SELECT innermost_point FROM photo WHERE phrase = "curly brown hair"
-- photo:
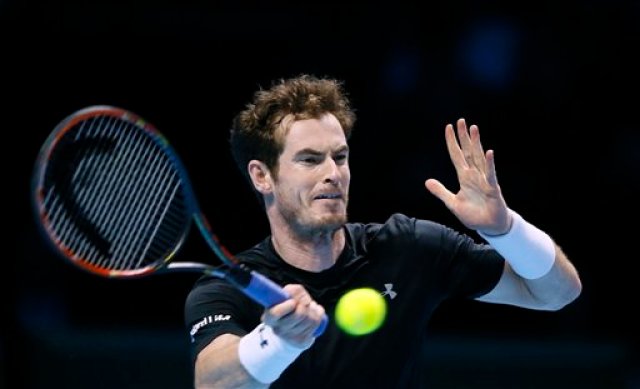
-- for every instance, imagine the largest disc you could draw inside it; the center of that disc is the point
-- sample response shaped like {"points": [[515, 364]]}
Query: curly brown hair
{"points": [[254, 132]]}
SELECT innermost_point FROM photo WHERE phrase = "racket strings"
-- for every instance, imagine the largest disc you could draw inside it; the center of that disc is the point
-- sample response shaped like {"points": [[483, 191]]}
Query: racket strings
{"points": [[126, 188], [147, 181], [91, 168], [72, 157], [88, 167], [145, 217]]}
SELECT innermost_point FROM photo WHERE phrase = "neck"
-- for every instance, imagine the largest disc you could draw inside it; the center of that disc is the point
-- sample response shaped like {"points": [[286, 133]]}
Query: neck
{"points": [[315, 252]]}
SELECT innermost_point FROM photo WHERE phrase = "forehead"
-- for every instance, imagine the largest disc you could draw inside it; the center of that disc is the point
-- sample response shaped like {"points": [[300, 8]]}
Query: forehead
{"points": [[322, 134]]}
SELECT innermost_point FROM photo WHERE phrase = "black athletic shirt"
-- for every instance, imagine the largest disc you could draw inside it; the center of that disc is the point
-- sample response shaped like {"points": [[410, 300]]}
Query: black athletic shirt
{"points": [[415, 264]]}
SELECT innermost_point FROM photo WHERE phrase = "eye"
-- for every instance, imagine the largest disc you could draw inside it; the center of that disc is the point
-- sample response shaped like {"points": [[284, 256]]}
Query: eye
{"points": [[310, 160], [341, 158]]}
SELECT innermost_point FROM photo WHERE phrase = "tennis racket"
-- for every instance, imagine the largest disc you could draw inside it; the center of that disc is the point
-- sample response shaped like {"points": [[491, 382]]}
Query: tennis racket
{"points": [[113, 197]]}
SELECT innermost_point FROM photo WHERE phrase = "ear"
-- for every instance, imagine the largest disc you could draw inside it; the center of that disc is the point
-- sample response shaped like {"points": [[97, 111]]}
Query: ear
{"points": [[260, 176]]}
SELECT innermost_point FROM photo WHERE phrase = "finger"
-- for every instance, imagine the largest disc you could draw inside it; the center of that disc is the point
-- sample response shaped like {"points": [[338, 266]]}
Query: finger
{"points": [[299, 300], [318, 312], [296, 291], [305, 320], [315, 315], [465, 141], [455, 153], [477, 154], [278, 311], [302, 322], [492, 177], [437, 189], [306, 316]]}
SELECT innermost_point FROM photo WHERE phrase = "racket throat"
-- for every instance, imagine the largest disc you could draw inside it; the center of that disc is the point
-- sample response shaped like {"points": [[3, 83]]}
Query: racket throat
{"points": [[239, 276], [256, 286]]}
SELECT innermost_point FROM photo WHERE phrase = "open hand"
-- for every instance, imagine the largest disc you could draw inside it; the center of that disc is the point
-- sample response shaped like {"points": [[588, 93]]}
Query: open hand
{"points": [[479, 203]]}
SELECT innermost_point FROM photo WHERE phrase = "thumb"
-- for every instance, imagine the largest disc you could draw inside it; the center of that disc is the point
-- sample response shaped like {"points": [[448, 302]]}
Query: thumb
{"points": [[437, 189]]}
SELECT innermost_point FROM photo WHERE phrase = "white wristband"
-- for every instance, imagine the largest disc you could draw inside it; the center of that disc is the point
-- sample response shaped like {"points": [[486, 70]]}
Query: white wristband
{"points": [[265, 355], [530, 251]]}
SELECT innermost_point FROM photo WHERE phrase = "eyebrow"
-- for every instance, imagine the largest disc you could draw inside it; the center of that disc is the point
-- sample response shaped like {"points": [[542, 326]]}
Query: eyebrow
{"points": [[310, 151]]}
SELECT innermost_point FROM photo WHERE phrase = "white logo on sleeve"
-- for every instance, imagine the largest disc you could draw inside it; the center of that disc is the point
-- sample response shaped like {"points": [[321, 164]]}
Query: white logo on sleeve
{"points": [[206, 320]]}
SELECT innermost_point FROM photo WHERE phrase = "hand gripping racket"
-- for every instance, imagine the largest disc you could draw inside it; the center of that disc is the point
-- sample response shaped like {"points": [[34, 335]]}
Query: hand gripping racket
{"points": [[113, 197]]}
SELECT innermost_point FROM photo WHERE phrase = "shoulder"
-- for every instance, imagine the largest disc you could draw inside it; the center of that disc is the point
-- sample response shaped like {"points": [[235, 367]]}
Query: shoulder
{"points": [[399, 224], [402, 231], [260, 254], [206, 287]]}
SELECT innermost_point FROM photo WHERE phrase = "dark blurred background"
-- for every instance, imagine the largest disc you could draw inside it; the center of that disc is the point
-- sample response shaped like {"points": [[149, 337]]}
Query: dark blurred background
{"points": [[553, 87]]}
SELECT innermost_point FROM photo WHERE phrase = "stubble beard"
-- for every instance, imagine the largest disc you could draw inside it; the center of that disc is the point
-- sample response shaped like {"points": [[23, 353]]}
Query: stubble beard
{"points": [[306, 226]]}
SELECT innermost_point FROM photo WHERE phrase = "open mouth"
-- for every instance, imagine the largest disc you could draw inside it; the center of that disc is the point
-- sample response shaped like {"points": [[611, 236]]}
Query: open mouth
{"points": [[328, 196]]}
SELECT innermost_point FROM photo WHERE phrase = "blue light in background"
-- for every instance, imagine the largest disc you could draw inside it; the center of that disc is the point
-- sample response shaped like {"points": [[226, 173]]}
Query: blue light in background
{"points": [[488, 54]]}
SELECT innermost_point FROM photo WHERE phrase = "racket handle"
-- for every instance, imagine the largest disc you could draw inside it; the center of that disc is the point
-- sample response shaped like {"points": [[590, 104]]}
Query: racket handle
{"points": [[262, 290]]}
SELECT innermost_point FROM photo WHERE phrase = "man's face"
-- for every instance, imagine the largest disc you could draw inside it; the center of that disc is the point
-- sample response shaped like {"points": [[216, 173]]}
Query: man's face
{"points": [[312, 188]]}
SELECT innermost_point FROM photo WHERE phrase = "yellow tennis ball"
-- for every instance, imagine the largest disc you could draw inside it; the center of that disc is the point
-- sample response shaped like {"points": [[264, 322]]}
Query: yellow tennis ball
{"points": [[360, 311]]}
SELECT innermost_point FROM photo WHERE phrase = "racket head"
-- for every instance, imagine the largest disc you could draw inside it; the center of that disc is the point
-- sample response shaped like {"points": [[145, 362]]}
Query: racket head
{"points": [[110, 194]]}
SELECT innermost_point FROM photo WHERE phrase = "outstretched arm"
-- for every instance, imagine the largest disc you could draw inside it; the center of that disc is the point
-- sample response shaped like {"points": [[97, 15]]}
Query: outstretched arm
{"points": [[537, 272]]}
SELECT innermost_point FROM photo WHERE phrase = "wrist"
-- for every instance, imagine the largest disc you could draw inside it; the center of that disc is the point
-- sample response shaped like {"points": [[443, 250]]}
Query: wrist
{"points": [[265, 355], [529, 250]]}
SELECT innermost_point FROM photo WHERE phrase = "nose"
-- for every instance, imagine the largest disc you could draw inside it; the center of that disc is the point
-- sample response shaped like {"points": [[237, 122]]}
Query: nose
{"points": [[331, 171]]}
